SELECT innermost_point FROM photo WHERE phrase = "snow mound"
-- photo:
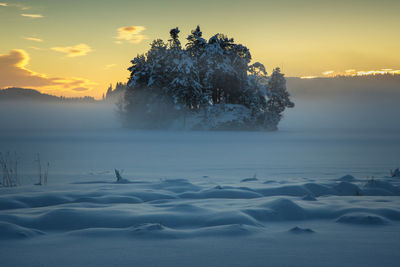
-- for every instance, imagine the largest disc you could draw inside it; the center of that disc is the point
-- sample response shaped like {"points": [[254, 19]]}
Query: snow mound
{"points": [[109, 199], [347, 178], [298, 230], [286, 209], [347, 189], [380, 188], [6, 203], [277, 210], [159, 231], [289, 190], [220, 192], [309, 197], [13, 231], [362, 219], [180, 208], [252, 179], [176, 185], [319, 189]]}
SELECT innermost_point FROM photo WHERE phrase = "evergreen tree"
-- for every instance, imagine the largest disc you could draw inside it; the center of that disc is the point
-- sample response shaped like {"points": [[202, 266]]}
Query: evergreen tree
{"points": [[174, 42], [196, 43], [278, 97], [109, 91], [169, 80]]}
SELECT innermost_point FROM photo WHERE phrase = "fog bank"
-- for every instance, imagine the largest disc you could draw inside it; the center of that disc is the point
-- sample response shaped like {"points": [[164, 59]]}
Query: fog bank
{"points": [[343, 103]]}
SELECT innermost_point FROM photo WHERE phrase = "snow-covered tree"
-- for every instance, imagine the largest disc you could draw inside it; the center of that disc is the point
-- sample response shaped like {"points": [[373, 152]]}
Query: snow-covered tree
{"points": [[196, 43], [278, 98], [174, 42], [169, 80]]}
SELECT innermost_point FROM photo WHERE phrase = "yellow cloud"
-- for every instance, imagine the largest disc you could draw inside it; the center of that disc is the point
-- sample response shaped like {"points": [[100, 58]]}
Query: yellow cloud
{"points": [[80, 89], [109, 66], [74, 51], [35, 48], [131, 34], [14, 73], [350, 70], [329, 72], [33, 16], [377, 72], [33, 39], [19, 6]]}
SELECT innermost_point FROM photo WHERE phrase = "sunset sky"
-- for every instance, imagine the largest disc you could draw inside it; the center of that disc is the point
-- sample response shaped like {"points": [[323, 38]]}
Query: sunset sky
{"points": [[77, 48]]}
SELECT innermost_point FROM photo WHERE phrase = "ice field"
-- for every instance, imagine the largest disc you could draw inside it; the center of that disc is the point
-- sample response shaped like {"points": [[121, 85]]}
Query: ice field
{"points": [[316, 193]]}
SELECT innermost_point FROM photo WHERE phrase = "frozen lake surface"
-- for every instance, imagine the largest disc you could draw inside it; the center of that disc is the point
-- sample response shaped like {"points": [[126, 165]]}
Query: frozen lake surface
{"points": [[231, 156], [202, 198]]}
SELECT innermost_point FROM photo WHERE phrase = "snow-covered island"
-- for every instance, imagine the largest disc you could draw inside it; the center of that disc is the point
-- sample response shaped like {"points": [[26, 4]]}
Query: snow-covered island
{"points": [[206, 85]]}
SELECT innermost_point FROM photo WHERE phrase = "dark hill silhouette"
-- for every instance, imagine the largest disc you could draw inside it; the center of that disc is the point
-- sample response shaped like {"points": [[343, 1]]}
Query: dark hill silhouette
{"points": [[373, 86], [24, 94]]}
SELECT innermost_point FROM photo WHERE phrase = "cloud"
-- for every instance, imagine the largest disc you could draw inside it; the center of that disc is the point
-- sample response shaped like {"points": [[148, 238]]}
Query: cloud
{"points": [[328, 72], [350, 71], [33, 39], [131, 34], [14, 73], [80, 89], [35, 48], [109, 66], [33, 16], [74, 51], [17, 5]]}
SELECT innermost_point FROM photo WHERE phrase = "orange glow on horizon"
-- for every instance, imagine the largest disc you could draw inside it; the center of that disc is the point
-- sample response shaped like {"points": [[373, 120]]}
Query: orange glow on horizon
{"points": [[353, 73]]}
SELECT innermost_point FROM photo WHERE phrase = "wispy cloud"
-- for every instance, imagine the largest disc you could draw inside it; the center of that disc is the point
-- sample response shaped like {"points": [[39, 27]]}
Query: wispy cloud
{"points": [[73, 51], [328, 72], [33, 16], [33, 39], [14, 72], [132, 34], [109, 66], [17, 5], [35, 48], [80, 89], [353, 72], [377, 72]]}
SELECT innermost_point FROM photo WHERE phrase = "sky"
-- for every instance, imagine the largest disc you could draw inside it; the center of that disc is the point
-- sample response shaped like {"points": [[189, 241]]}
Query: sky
{"points": [[77, 48]]}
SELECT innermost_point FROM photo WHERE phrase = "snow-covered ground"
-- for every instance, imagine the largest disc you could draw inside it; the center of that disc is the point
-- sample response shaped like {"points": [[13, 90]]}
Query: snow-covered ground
{"points": [[315, 193]]}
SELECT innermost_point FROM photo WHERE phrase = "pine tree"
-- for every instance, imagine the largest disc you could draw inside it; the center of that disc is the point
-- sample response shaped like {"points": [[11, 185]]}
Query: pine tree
{"points": [[278, 97], [174, 42], [169, 80], [109, 91], [196, 43]]}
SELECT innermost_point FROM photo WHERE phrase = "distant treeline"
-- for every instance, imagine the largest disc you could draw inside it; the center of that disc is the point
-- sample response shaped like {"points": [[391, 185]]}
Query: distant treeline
{"points": [[23, 94], [115, 95], [372, 86]]}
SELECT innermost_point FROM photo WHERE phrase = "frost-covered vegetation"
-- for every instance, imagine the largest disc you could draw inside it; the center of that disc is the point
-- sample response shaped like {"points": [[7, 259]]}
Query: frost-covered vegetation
{"points": [[9, 169], [204, 85]]}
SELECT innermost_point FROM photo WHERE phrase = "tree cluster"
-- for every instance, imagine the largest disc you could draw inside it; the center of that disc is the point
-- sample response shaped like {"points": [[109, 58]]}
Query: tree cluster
{"points": [[171, 80], [114, 95]]}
